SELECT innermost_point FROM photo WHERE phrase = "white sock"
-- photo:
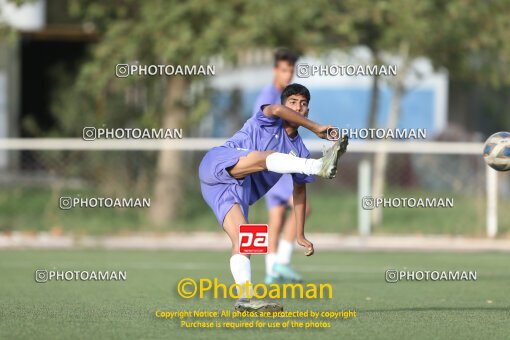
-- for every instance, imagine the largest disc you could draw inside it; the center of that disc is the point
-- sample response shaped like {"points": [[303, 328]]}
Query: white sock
{"points": [[285, 249], [288, 164], [240, 266], [270, 260]]}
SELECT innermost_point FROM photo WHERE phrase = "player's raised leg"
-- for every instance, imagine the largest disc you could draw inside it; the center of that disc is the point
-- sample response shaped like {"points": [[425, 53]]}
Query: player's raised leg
{"points": [[240, 265], [283, 163], [253, 162]]}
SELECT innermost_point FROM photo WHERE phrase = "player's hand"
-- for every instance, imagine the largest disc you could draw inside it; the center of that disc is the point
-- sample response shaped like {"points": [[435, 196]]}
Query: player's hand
{"points": [[321, 131], [307, 244]]}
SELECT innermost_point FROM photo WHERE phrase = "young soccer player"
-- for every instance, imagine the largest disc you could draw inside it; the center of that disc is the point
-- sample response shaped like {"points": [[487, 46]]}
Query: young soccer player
{"points": [[279, 198], [238, 173]]}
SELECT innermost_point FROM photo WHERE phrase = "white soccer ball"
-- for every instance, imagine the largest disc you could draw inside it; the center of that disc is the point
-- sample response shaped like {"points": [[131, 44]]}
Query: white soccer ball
{"points": [[496, 151]]}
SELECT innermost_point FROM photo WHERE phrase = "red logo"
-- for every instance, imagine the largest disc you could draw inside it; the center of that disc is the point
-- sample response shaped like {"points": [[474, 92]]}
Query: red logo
{"points": [[253, 238]]}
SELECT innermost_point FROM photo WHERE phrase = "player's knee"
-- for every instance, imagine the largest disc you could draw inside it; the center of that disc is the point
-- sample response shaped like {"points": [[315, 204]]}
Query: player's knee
{"points": [[263, 158]]}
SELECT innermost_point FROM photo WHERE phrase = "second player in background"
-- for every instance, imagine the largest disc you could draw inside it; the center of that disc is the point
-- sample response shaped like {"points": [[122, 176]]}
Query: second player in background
{"points": [[279, 198]]}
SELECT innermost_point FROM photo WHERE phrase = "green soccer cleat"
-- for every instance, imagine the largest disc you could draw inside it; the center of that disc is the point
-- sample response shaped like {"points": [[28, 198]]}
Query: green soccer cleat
{"points": [[254, 305], [331, 156], [286, 273]]}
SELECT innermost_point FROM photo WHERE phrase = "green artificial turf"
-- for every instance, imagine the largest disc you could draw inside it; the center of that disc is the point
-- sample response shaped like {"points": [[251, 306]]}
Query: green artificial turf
{"points": [[125, 309]]}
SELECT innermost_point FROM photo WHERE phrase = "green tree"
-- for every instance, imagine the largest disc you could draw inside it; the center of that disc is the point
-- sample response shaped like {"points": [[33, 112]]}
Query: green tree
{"points": [[465, 36], [175, 32], [155, 32]]}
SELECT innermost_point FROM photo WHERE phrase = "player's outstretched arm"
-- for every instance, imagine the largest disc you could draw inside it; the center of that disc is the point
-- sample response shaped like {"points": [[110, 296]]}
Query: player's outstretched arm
{"points": [[299, 198], [292, 116]]}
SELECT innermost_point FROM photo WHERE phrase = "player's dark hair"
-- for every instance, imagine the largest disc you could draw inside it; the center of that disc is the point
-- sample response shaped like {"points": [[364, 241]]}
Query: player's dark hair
{"points": [[294, 89], [285, 54]]}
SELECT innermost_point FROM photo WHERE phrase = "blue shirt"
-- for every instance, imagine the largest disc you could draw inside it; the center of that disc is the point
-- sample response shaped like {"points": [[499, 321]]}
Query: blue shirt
{"points": [[269, 95], [262, 133]]}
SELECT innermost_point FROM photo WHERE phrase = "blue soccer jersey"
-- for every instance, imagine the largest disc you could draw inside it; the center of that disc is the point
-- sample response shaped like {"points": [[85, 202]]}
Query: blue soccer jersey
{"points": [[260, 133], [282, 191]]}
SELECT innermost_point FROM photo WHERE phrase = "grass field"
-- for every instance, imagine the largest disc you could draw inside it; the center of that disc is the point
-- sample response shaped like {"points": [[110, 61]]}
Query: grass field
{"points": [[97, 310]]}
